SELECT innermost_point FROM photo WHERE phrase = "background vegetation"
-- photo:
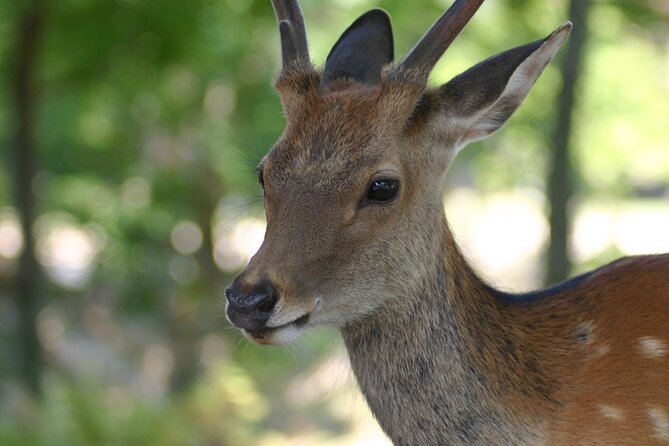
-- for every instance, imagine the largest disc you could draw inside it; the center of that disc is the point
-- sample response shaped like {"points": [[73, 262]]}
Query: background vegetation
{"points": [[129, 130]]}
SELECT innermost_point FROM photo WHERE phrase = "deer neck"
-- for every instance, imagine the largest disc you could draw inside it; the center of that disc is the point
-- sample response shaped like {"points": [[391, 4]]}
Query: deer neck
{"points": [[444, 364]]}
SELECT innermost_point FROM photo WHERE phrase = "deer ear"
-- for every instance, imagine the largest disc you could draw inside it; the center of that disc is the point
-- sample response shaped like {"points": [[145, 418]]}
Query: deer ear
{"points": [[362, 51], [484, 97]]}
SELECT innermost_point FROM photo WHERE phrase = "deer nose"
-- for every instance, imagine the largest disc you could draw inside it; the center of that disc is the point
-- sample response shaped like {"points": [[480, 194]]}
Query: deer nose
{"points": [[250, 310]]}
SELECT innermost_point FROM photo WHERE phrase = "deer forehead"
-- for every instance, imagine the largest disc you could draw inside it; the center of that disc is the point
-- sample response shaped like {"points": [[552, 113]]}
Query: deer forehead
{"points": [[343, 133], [341, 140]]}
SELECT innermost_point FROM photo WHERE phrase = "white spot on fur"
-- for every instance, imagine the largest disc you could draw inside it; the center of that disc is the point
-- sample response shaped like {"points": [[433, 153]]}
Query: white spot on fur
{"points": [[602, 350], [652, 347], [611, 412], [658, 417]]}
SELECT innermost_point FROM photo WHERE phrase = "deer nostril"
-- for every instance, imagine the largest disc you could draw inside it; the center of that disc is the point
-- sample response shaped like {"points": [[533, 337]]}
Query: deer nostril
{"points": [[268, 302], [260, 299]]}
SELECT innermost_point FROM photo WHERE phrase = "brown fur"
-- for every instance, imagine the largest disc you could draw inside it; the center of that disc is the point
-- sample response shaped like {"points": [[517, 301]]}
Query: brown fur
{"points": [[441, 357]]}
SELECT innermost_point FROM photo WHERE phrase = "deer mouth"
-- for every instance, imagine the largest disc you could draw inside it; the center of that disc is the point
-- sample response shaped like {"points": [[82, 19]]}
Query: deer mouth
{"points": [[281, 334]]}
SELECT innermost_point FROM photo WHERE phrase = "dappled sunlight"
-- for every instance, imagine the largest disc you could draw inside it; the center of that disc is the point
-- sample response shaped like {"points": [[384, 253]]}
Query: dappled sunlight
{"points": [[502, 233], [136, 192], [237, 235], [593, 233], [66, 250], [632, 228], [219, 101], [50, 329], [11, 239], [186, 237], [183, 269], [329, 383], [643, 230], [157, 365]]}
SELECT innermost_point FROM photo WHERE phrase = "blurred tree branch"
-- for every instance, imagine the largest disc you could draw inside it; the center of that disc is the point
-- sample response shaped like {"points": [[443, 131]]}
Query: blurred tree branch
{"points": [[560, 180]]}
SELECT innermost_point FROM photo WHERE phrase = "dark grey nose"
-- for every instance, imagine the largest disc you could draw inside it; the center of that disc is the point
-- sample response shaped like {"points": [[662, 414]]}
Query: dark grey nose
{"points": [[251, 309]]}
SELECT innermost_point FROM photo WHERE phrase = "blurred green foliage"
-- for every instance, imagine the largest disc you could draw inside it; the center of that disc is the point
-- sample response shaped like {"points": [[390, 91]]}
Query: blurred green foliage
{"points": [[155, 112]]}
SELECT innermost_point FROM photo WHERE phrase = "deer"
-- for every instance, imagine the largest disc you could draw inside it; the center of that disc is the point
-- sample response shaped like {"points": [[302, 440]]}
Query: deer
{"points": [[357, 238]]}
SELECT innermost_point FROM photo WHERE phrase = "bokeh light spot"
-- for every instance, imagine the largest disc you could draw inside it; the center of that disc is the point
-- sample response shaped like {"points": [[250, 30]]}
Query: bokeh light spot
{"points": [[11, 238], [186, 237], [136, 192]]}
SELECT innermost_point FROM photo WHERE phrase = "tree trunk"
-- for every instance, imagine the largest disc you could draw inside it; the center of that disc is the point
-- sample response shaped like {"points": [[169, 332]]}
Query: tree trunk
{"points": [[560, 181], [28, 278], [184, 329]]}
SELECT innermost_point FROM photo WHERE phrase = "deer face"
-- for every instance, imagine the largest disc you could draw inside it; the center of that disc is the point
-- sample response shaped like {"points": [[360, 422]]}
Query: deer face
{"points": [[340, 194], [353, 187]]}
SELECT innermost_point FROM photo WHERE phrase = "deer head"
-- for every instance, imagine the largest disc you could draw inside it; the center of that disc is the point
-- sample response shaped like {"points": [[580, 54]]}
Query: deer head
{"points": [[353, 188]]}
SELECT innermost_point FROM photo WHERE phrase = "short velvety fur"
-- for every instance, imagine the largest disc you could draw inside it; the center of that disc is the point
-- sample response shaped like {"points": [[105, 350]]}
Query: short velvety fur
{"points": [[441, 357]]}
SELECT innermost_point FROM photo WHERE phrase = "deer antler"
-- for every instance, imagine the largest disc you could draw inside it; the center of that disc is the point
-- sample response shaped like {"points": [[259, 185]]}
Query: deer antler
{"points": [[432, 45], [293, 35]]}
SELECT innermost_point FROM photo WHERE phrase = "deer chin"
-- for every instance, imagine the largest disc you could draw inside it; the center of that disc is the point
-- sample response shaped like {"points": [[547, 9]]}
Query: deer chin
{"points": [[280, 335]]}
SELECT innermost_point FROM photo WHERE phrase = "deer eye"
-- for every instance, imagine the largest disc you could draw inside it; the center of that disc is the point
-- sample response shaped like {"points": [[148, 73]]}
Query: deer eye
{"points": [[383, 190]]}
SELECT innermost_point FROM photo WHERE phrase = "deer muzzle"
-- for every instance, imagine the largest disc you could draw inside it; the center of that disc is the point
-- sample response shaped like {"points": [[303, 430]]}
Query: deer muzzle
{"points": [[251, 308]]}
